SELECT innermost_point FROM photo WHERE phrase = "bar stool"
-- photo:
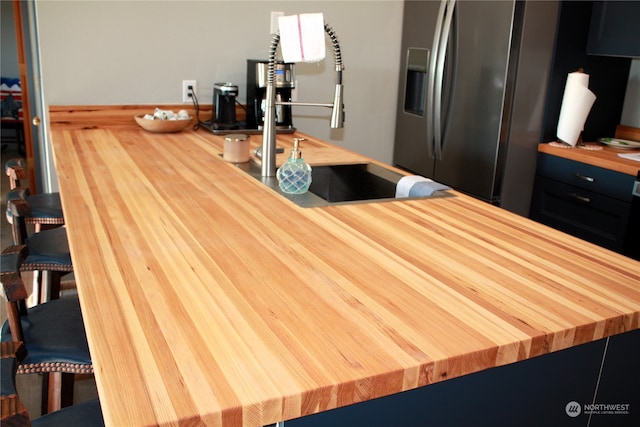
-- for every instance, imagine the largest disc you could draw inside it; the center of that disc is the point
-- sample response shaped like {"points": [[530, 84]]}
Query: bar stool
{"points": [[53, 334], [49, 254], [15, 170], [14, 413], [46, 208]]}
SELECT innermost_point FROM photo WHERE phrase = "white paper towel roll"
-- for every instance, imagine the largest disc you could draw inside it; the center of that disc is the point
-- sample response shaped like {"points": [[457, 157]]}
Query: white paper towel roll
{"points": [[576, 105]]}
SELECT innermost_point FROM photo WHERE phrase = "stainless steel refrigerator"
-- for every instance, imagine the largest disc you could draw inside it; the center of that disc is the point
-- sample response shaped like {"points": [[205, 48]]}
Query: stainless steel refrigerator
{"points": [[472, 92]]}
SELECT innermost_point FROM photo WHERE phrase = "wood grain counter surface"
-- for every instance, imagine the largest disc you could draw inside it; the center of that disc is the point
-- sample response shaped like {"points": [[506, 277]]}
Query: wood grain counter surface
{"points": [[606, 158], [209, 299]]}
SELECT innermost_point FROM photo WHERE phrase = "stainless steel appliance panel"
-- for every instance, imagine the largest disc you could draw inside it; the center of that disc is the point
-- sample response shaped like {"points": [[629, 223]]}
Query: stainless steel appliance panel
{"points": [[476, 50], [411, 150], [472, 125]]}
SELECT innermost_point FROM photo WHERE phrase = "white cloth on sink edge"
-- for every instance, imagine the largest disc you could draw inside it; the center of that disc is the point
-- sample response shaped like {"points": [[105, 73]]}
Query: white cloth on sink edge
{"points": [[417, 186], [302, 37]]}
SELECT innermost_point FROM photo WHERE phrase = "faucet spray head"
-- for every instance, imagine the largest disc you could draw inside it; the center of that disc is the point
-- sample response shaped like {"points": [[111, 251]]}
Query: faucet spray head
{"points": [[337, 112]]}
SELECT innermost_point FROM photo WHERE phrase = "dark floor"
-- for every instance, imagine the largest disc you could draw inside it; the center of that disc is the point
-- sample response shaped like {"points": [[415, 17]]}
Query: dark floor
{"points": [[29, 386]]}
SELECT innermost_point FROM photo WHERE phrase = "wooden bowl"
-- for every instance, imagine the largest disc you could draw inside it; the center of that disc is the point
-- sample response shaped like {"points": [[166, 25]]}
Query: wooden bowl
{"points": [[162, 126]]}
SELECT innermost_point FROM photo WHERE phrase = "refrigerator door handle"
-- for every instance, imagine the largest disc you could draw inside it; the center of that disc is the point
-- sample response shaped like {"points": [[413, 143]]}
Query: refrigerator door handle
{"points": [[431, 76], [439, 78], [451, 78]]}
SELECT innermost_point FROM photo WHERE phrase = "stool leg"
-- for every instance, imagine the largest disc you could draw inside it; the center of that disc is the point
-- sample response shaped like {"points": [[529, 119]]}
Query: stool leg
{"points": [[59, 391], [43, 227], [50, 285], [34, 298], [54, 284], [44, 286]]}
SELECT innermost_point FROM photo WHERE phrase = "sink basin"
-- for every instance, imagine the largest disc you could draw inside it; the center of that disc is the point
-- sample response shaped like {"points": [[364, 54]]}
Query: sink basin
{"points": [[348, 183], [340, 184]]}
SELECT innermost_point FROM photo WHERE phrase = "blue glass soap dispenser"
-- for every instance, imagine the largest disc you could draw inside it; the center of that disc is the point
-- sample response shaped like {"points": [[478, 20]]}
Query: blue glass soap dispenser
{"points": [[294, 177]]}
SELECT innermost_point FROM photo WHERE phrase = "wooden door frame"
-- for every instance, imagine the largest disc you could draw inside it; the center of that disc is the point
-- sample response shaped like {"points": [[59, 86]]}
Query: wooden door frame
{"points": [[25, 86]]}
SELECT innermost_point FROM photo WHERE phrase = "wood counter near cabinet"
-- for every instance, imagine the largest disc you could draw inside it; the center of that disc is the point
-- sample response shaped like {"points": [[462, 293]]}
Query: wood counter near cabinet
{"points": [[209, 299], [606, 158]]}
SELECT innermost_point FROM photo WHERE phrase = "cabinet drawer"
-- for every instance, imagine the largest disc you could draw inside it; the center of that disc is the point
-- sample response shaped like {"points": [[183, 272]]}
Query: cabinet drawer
{"points": [[592, 178], [591, 216]]}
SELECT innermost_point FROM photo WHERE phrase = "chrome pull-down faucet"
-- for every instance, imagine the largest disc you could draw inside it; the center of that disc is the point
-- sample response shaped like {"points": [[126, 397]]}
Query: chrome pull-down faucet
{"points": [[269, 127]]}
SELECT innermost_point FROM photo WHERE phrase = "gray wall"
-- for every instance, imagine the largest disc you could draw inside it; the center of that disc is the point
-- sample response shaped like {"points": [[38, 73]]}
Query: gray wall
{"points": [[138, 52]]}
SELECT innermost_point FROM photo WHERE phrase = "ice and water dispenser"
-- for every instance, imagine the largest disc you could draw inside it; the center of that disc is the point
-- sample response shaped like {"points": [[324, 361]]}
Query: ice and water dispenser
{"points": [[416, 83]]}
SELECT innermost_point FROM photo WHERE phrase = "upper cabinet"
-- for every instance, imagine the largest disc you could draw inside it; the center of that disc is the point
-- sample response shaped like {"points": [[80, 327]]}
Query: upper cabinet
{"points": [[615, 29]]}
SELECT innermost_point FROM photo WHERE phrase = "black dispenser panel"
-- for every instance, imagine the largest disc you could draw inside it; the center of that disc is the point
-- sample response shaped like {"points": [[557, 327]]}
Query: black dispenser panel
{"points": [[416, 86]]}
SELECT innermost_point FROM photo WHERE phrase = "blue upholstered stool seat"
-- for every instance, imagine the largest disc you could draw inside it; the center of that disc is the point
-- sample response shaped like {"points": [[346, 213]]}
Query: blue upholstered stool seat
{"points": [[48, 250], [52, 332], [54, 337], [46, 208], [85, 414]]}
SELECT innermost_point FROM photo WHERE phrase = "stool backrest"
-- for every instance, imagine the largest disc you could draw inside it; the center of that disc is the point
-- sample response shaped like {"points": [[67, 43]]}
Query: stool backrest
{"points": [[13, 411], [13, 288], [19, 208], [15, 170]]}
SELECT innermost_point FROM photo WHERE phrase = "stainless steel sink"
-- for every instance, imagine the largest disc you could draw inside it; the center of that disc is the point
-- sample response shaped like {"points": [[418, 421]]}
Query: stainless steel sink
{"points": [[349, 183], [340, 184]]}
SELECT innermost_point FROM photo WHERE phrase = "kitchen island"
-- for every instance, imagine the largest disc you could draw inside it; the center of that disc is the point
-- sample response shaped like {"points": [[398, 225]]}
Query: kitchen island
{"points": [[209, 299]]}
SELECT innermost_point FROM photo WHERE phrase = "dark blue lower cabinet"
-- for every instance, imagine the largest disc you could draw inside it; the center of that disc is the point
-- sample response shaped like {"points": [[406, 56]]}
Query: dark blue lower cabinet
{"points": [[586, 201], [572, 387], [618, 399]]}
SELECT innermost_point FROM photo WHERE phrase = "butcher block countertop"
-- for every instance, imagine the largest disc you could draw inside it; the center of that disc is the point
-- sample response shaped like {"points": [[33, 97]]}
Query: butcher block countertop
{"points": [[606, 158], [209, 299]]}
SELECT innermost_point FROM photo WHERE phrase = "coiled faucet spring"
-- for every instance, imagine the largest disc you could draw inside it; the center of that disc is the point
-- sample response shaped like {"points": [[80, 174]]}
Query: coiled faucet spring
{"points": [[269, 129]]}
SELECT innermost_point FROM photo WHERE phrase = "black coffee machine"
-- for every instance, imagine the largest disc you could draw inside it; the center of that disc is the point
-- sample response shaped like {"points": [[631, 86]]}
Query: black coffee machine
{"points": [[224, 105], [256, 93]]}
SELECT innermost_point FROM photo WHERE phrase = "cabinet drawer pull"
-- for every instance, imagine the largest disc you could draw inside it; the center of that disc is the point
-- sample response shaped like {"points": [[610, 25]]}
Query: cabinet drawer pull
{"points": [[584, 177], [581, 198]]}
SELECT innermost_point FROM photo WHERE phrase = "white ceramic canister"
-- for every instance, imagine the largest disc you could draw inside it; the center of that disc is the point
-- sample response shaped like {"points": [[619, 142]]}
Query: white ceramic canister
{"points": [[236, 148]]}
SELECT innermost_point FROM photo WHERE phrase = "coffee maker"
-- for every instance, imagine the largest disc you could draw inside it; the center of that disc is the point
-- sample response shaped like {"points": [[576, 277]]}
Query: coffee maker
{"points": [[256, 93], [224, 105]]}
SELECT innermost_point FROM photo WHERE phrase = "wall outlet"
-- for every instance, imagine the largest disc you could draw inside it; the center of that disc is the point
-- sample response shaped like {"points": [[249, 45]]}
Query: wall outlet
{"points": [[274, 21], [186, 92]]}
